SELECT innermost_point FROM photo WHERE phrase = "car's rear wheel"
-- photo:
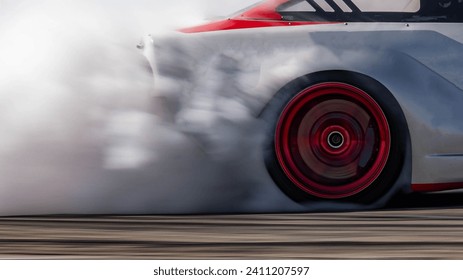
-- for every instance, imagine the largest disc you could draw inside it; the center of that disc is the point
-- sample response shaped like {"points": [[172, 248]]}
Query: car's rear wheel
{"points": [[333, 137]]}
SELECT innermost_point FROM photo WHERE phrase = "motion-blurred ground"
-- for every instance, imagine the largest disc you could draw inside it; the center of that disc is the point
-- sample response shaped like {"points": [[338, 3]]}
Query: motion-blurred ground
{"points": [[426, 232]]}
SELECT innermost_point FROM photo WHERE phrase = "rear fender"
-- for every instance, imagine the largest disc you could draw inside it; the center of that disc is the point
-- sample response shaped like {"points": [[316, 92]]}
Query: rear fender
{"points": [[251, 66]]}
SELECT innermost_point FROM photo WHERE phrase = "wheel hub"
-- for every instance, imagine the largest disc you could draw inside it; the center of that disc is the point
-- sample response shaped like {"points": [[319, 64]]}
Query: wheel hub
{"points": [[335, 140]]}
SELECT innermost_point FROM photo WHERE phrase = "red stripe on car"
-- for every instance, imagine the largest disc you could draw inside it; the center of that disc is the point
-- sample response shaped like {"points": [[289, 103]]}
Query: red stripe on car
{"points": [[435, 187], [261, 15]]}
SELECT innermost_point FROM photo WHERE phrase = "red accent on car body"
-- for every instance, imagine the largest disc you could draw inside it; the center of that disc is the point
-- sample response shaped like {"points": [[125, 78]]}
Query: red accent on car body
{"points": [[262, 15], [230, 24], [435, 187]]}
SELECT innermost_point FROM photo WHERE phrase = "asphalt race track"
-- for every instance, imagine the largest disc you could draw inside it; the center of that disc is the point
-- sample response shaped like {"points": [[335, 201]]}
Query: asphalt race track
{"points": [[429, 228]]}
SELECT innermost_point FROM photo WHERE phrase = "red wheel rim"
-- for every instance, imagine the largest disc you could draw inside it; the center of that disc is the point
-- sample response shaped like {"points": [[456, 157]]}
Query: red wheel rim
{"points": [[332, 140]]}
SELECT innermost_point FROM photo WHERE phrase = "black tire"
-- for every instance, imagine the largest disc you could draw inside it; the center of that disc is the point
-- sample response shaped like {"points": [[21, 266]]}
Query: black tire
{"points": [[384, 170]]}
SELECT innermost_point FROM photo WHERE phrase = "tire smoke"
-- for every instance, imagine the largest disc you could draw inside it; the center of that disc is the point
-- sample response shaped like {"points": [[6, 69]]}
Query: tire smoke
{"points": [[85, 133], [81, 132]]}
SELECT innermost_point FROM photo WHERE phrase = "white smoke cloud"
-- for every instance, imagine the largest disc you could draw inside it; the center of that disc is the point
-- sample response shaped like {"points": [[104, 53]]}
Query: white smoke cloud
{"points": [[80, 132]]}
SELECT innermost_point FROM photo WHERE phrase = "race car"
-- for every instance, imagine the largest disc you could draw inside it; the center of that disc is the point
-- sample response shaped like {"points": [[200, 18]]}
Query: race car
{"points": [[360, 100]]}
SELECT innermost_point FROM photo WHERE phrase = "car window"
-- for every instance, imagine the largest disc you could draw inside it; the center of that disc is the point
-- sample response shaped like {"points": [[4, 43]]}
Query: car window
{"points": [[298, 6], [405, 6]]}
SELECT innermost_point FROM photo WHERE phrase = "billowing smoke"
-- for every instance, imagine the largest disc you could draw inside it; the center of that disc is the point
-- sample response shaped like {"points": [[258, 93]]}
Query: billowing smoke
{"points": [[80, 131]]}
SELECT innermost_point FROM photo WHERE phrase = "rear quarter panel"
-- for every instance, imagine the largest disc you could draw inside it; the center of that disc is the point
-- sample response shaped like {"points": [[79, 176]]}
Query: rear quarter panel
{"points": [[419, 63]]}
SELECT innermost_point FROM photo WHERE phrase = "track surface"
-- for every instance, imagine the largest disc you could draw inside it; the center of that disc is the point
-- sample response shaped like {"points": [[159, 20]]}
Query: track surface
{"points": [[426, 232]]}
